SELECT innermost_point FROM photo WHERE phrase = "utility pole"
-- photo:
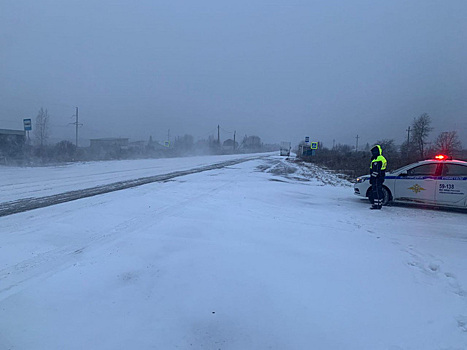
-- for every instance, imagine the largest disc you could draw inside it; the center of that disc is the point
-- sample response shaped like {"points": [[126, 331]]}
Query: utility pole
{"points": [[76, 127], [356, 146], [333, 144], [168, 138], [218, 135], [234, 139], [77, 124], [408, 141]]}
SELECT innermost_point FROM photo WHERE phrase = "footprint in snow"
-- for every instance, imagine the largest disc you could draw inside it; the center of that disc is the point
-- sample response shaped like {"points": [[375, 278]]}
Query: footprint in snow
{"points": [[433, 269], [462, 323]]}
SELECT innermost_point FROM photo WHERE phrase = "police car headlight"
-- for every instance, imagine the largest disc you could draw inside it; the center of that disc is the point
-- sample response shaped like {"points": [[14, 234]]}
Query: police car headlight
{"points": [[360, 179]]}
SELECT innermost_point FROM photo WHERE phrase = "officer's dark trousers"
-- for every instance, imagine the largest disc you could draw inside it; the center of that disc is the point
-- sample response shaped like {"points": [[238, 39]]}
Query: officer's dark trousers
{"points": [[378, 195]]}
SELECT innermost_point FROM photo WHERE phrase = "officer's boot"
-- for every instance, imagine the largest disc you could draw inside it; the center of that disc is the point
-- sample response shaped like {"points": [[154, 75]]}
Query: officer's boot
{"points": [[380, 204], [377, 204]]}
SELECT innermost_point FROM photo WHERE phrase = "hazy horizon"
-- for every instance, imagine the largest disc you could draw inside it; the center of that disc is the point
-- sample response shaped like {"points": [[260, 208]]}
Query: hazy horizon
{"points": [[281, 70]]}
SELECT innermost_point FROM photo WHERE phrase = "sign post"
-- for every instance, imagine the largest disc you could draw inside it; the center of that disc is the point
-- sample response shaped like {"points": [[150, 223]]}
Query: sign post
{"points": [[27, 126], [314, 147]]}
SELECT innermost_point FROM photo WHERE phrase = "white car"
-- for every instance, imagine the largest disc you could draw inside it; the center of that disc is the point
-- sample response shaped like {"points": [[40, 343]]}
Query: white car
{"points": [[438, 182]]}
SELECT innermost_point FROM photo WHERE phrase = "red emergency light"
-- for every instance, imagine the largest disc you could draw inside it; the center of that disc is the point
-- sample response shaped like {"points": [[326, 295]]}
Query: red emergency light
{"points": [[441, 157]]}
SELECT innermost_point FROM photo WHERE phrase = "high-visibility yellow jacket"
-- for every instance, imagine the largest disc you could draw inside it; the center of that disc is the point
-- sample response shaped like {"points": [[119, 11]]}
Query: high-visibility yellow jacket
{"points": [[378, 164]]}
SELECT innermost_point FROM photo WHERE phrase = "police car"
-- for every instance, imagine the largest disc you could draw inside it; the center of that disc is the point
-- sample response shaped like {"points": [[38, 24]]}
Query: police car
{"points": [[439, 182]]}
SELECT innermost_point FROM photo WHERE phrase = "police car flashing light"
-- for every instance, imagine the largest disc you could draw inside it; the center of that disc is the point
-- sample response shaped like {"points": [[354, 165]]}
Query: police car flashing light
{"points": [[441, 181], [442, 157]]}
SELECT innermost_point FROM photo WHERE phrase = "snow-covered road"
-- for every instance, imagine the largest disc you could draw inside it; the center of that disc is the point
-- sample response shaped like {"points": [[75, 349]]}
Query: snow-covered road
{"points": [[266, 254], [33, 182], [80, 183]]}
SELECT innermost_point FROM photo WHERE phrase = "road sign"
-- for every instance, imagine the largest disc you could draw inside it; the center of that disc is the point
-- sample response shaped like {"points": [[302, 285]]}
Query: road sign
{"points": [[314, 145], [307, 139], [167, 143], [27, 124]]}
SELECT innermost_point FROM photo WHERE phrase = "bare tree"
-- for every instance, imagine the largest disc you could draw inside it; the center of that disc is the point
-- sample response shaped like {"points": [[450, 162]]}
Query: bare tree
{"points": [[64, 151], [41, 133], [184, 143], [448, 142], [421, 127], [342, 148], [408, 151], [251, 142]]}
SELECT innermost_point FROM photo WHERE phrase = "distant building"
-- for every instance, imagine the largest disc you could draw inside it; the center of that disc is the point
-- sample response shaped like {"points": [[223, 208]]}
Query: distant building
{"points": [[7, 135], [108, 144], [229, 143], [137, 146], [156, 145], [109, 148], [11, 141]]}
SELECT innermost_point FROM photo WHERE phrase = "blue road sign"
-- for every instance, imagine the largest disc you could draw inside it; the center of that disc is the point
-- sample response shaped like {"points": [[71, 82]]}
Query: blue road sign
{"points": [[27, 124], [314, 145]]}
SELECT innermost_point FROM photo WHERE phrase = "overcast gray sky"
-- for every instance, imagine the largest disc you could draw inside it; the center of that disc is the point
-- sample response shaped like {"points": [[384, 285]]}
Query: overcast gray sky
{"points": [[278, 69]]}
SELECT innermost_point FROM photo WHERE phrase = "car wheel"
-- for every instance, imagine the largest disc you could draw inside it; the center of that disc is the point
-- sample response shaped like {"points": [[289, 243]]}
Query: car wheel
{"points": [[386, 196]]}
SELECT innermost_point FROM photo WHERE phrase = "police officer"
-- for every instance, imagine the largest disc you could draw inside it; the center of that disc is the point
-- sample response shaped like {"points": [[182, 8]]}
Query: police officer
{"points": [[378, 172]]}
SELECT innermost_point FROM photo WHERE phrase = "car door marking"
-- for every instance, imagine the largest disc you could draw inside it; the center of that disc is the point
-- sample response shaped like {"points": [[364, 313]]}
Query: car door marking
{"points": [[417, 188]]}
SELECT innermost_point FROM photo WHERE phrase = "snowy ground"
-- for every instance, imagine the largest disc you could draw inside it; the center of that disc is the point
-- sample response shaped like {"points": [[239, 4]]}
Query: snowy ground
{"points": [[266, 254]]}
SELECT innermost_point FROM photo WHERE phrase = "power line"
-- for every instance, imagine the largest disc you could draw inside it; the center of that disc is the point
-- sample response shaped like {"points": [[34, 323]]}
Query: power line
{"points": [[230, 132], [210, 132]]}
